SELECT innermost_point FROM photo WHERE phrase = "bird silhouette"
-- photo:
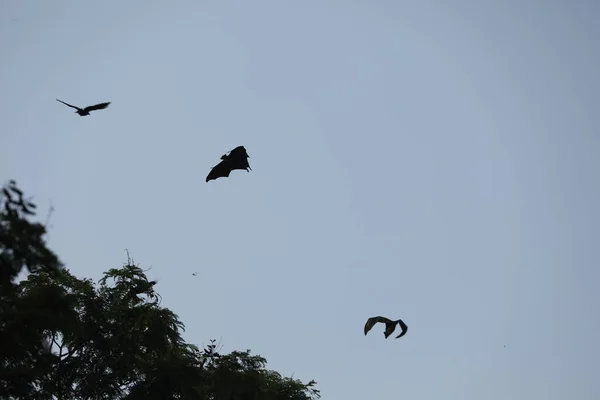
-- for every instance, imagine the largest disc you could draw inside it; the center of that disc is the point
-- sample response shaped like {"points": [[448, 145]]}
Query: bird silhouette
{"points": [[236, 159], [390, 326], [86, 111]]}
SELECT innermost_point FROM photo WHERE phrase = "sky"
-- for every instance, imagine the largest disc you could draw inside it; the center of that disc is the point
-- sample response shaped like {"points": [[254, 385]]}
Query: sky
{"points": [[434, 161]]}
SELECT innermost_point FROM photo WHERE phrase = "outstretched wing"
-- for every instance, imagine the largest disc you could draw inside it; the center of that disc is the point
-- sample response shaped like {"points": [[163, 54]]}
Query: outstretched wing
{"points": [[403, 327], [100, 106], [67, 104], [373, 320], [221, 170]]}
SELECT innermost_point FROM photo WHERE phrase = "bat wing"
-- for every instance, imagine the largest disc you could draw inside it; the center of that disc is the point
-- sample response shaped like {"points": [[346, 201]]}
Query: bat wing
{"points": [[403, 327], [239, 158], [369, 325], [221, 170], [238, 149], [239, 152], [390, 327], [373, 320], [100, 106], [239, 164], [67, 104]]}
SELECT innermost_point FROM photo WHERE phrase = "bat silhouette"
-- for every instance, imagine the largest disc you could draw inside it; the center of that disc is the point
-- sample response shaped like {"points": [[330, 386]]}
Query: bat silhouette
{"points": [[390, 326], [236, 159], [86, 111]]}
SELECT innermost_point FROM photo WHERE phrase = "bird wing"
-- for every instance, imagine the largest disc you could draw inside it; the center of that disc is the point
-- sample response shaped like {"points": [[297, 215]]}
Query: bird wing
{"points": [[373, 320], [100, 106], [221, 170], [403, 327], [67, 104]]}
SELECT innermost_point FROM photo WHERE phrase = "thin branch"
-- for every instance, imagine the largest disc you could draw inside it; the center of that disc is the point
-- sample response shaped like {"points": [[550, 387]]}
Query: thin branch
{"points": [[50, 211], [69, 355], [54, 343], [219, 346]]}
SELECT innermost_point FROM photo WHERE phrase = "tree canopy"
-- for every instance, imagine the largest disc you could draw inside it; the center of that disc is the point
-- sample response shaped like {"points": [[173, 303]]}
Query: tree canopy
{"points": [[68, 338]]}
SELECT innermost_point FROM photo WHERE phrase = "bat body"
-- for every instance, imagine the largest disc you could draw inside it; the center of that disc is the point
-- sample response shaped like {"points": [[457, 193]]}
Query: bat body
{"points": [[86, 111], [236, 159], [390, 326]]}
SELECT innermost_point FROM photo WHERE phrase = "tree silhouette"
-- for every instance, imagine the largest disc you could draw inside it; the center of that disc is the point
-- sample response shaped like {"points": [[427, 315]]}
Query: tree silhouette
{"points": [[67, 338], [22, 243]]}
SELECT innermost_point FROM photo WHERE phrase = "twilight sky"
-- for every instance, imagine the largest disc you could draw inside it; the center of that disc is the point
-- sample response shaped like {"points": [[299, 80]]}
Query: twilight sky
{"points": [[435, 161]]}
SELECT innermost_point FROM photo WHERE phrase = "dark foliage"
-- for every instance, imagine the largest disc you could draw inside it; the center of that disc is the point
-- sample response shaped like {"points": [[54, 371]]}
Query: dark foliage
{"points": [[73, 339], [22, 243]]}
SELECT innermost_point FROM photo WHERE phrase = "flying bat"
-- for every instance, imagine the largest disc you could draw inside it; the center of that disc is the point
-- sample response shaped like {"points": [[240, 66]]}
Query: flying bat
{"points": [[390, 326], [236, 159], [86, 111]]}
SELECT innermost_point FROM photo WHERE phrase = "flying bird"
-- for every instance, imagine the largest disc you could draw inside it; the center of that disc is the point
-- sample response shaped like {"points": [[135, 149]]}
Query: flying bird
{"points": [[236, 159], [390, 326], [86, 111]]}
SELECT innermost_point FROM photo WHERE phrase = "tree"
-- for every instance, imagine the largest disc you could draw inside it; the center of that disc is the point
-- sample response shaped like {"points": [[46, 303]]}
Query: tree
{"points": [[73, 338], [22, 242], [21, 246]]}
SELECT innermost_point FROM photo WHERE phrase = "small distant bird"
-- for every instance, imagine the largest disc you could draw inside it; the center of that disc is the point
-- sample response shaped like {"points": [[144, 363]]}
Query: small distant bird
{"points": [[236, 159], [194, 273], [390, 326], [86, 111]]}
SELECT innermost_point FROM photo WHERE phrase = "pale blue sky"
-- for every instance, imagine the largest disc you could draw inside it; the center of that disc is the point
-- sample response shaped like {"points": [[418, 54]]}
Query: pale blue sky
{"points": [[430, 160]]}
